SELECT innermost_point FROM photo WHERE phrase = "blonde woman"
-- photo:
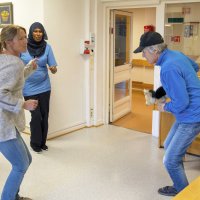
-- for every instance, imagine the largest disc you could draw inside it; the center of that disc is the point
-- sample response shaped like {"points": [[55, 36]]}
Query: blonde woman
{"points": [[13, 41]]}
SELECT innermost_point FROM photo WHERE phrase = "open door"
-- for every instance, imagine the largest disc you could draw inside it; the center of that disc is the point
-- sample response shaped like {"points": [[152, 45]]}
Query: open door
{"points": [[120, 64]]}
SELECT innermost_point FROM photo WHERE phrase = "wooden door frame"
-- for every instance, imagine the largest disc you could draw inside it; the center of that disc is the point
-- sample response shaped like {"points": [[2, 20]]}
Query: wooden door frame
{"points": [[106, 35]]}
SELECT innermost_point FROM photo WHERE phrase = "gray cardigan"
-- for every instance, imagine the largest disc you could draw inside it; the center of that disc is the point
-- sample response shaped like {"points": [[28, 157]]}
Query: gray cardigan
{"points": [[12, 74]]}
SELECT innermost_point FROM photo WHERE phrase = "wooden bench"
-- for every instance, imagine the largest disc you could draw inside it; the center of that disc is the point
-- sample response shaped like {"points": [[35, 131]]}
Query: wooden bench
{"points": [[191, 192]]}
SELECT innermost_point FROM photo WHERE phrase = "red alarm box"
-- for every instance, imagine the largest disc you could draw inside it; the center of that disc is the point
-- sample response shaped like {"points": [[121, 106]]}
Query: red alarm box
{"points": [[176, 38], [148, 28]]}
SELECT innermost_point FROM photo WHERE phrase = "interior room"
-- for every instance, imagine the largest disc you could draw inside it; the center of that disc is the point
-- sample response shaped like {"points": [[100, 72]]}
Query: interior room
{"points": [[104, 142]]}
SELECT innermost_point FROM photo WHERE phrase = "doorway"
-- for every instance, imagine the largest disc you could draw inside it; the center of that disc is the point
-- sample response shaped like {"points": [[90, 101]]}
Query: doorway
{"points": [[139, 116], [120, 72]]}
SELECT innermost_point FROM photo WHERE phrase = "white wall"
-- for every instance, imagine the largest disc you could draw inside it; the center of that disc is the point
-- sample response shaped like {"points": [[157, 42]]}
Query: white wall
{"points": [[142, 17], [66, 23], [24, 14], [99, 68]]}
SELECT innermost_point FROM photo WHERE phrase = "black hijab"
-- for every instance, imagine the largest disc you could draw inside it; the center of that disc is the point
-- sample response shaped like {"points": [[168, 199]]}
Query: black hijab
{"points": [[36, 49]]}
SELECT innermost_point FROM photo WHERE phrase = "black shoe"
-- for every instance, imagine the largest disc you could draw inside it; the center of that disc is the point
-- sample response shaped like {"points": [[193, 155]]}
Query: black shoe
{"points": [[168, 191], [37, 149], [23, 198], [45, 147]]}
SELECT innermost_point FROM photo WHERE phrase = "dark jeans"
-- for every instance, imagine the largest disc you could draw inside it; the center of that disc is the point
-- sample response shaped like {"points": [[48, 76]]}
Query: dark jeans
{"points": [[39, 119]]}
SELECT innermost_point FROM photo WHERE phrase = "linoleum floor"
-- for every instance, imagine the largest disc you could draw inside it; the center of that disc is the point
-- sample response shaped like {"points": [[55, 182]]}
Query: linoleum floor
{"points": [[103, 163]]}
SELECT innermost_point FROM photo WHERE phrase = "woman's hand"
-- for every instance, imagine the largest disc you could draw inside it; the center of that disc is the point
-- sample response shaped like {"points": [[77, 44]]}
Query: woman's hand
{"points": [[53, 69], [30, 104], [33, 63]]}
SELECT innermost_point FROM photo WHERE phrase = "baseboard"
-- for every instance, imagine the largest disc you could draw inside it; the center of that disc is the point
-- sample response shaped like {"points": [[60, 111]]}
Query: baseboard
{"points": [[99, 123], [65, 131], [60, 132]]}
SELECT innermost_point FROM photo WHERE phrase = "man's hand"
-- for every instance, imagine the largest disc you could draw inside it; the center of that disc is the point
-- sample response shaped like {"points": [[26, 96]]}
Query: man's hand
{"points": [[160, 107]]}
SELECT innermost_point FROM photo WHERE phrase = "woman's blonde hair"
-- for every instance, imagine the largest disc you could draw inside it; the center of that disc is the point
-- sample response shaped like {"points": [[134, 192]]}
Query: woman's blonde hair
{"points": [[8, 33]]}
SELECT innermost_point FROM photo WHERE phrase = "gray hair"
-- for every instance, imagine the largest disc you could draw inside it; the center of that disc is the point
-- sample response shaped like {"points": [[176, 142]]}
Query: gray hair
{"points": [[159, 48]]}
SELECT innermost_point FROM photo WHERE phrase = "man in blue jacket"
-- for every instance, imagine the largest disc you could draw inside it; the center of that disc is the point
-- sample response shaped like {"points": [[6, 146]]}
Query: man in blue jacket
{"points": [[180, 81]]}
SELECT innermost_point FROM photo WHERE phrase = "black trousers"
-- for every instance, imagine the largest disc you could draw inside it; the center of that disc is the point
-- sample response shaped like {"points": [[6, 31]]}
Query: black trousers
{"points": [[39, 119]]}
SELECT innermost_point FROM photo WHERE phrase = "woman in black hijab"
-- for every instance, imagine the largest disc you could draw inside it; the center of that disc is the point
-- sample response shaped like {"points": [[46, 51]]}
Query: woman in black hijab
{"points": [[38, 86], [37, 44]]}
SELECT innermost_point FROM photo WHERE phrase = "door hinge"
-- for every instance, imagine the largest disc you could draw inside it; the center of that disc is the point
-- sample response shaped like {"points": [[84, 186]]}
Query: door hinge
{"points": [[111, 30], [91, 113]]}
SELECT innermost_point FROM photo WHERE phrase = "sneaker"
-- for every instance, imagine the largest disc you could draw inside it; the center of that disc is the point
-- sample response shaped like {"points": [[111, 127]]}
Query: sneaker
{"points": [[45, 147], [168, 191], [23, 198]]}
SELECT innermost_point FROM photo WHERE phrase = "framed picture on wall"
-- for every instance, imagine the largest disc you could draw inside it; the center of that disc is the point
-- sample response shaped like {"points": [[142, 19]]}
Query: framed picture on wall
{"points": [[6, 14]]}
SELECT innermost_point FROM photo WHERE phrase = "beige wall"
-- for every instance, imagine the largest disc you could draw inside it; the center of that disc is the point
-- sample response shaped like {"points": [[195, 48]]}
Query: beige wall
{"points": [[66, 23], [26, 12], [142, 17], [77, 87]]}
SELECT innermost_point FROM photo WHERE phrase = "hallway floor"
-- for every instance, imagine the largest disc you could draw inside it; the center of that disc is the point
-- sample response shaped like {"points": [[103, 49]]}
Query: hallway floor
{"points": [[140, 118], [103, 163]]}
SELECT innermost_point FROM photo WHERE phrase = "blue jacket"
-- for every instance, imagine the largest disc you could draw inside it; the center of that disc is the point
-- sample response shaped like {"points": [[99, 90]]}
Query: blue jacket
{"points": [[179, 79]]}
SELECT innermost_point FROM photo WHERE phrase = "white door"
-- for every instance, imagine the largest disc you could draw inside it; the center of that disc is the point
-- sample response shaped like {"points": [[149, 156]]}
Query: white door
{"points": [[120, 64]]}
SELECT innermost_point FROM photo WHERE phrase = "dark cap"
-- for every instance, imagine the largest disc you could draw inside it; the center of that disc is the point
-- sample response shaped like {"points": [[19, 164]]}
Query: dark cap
{"points": [[148, 39]]}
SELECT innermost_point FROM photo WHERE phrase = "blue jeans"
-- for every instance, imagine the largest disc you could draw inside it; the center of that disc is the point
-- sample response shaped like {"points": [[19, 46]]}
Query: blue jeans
{"points": [[17, 153], [176, 144]]}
